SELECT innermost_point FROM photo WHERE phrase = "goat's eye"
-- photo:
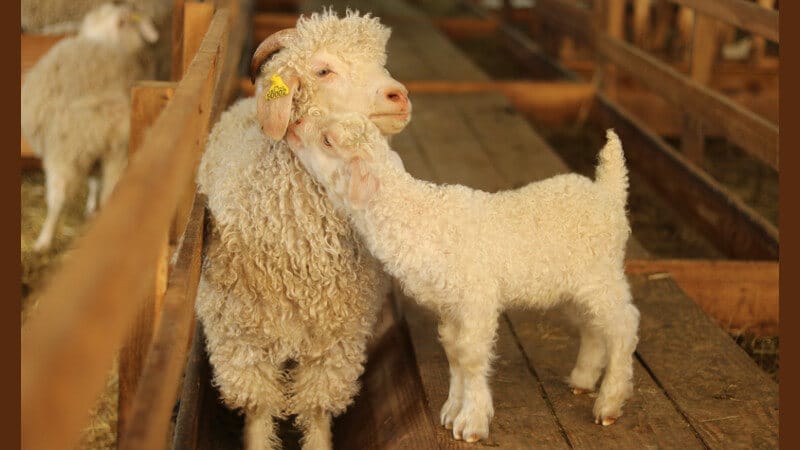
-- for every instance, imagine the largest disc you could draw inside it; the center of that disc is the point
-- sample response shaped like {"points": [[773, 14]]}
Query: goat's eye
{"points": [[326, 141], [323, 72]]}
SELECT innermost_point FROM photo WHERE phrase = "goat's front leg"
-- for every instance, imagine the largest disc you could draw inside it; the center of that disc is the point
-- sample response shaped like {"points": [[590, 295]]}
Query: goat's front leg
{"points": [[448, 335], [472, 349], [323, 387]]}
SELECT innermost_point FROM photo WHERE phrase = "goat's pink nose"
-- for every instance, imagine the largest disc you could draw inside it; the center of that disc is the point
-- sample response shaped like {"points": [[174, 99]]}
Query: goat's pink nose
{"points": [[397, 96]]}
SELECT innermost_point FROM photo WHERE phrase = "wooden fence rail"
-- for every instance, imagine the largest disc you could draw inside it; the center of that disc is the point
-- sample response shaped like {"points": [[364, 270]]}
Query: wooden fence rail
{"points": [[743, 14], [89, 305], [757, 135]]}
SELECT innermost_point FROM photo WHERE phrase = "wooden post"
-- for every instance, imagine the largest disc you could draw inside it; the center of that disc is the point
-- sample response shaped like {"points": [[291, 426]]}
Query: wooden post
{"points": [[196, 19], [148, 99], [177, 40], [759, 42], [704, 51], [663, 17], [641, 22], [615, 27], [685, 24]]}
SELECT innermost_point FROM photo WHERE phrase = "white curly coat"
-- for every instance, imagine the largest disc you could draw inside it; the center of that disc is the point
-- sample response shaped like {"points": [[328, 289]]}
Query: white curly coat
{"points": [[468, 255], [289, 294]]}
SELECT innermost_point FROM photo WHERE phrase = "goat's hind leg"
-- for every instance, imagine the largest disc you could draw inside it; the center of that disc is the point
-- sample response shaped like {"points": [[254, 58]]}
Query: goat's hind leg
{"points": [[591, 355], [59, 184], [618, 320]]}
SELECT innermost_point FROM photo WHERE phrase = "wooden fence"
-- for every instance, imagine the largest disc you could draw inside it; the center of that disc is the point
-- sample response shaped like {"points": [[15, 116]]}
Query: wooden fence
{"points": [[117, 289], [600, 27]]}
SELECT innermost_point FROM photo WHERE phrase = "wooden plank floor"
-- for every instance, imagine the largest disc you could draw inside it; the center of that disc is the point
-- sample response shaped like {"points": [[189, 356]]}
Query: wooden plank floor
{"points": [[694, 388]]}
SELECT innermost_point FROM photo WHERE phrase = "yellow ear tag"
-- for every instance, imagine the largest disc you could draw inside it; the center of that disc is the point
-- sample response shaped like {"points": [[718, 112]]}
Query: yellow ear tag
{"points": [[277, 88], [136, 17]]}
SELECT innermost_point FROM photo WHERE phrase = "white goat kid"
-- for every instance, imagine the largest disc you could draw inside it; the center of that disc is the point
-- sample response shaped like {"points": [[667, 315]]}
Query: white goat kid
{"points": [[469, 254]]}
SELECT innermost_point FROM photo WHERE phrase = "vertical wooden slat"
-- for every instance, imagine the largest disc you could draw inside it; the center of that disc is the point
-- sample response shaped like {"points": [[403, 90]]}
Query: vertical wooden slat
{"points": [[685, 25], [196, 19], [148, 99], [759, 42], [641, 21], [615, 27], [704, 52], [177, 40]]}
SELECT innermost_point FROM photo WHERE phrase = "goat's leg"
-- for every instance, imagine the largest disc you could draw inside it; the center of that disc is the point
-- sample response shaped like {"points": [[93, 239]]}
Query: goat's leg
{"points": [[259, 430], [112, 169], [323, 387], [248, 380], [591, 356], [619, 323], [58, 184], [475, 342], [316, 428], [448, 334]]}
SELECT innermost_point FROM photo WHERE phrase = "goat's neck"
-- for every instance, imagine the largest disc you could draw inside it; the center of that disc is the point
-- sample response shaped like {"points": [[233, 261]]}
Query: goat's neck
{"points": [[398, 222]]}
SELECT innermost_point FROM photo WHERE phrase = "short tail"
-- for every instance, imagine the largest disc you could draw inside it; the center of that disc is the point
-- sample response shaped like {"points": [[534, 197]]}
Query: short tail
{"points": [[611, 172]]}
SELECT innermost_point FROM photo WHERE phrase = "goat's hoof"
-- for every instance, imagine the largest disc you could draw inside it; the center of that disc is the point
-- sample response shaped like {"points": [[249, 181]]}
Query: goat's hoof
{"points": [[472, 425], [473, 438], [449, 413], [580, 391], [605, 421]]}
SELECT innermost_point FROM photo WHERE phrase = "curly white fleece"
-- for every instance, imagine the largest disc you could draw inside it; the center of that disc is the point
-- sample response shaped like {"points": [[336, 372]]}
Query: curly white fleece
{"points": [[469, 254], [288, 294]]}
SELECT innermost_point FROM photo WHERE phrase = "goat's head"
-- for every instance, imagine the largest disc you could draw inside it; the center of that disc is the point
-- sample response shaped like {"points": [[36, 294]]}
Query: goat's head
{"points": [[339, 150], [328, 62], [119, 24]]}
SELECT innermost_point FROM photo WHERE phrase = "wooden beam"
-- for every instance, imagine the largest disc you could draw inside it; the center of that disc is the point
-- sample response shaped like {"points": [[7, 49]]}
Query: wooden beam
{"points": [[29, 159], [665, 118], [719, 214], [148, 99], [90, 303], [755, 134], [741, 296], [704, 53], [467, 27], [745, 15], [152, 408]]}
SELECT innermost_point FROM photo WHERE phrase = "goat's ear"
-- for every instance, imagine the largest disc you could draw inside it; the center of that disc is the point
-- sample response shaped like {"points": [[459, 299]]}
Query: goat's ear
{"points": [[363, 184], [274, 104]]}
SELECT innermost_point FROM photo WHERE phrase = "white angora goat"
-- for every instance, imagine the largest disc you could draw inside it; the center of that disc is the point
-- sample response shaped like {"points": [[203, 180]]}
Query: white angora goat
{"points": [[288, 294], [468, 255]]}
